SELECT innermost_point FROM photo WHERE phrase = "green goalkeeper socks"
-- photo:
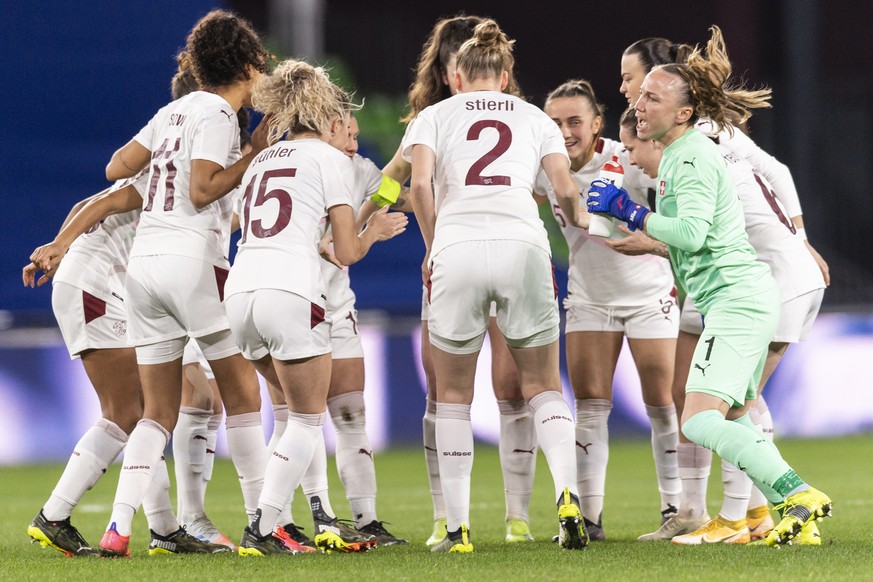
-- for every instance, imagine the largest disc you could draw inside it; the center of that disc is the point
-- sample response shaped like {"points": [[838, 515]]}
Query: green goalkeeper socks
{"points": [[743, 444]]}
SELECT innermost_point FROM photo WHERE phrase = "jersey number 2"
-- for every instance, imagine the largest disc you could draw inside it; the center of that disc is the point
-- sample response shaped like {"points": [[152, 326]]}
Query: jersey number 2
{"points": [[474, 174], [283, 197]]}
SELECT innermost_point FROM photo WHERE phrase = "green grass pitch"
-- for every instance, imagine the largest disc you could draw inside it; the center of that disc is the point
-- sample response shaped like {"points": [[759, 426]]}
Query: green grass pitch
{"points": [[841, 467]]}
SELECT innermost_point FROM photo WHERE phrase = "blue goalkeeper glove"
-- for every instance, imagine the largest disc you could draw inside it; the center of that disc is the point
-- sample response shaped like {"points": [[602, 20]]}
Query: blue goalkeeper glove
{"points": [[606, 198]]}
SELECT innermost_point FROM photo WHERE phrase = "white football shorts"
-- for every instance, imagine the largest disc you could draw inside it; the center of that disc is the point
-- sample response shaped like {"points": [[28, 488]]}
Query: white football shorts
{"points": [[657, 320], [280, 323], [88, 322], [798, 316], [171, 296], [516, 276]]}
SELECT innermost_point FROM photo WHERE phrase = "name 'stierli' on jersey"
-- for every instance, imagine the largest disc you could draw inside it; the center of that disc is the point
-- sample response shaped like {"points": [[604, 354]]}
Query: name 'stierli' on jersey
{"points": [[490, 105]]}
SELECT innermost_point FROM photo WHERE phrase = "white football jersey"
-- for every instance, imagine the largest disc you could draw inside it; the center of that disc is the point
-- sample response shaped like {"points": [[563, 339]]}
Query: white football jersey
{"points": [[199, 126], [288, 189], [597, 274], [97, 260], [368, 178], [763, 164], [489, 148], [771, 232]]}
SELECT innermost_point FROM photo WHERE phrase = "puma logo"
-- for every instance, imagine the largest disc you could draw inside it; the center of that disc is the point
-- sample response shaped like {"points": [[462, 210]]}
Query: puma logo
{"points": [[670, 452], [365, 452], [199, 437], [740, 467], [230, 116], [531, 451], [702, 370], [583, 447], [427, 448], [691, 163]]}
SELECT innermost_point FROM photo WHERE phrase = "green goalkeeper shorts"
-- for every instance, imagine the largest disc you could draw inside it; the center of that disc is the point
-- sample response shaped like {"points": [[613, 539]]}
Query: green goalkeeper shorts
{"points": [[730, 354]]}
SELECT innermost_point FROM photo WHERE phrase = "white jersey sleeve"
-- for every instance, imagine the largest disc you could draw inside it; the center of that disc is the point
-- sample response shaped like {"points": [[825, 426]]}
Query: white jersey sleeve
{"points": [[771, 231], [200, 126], [597, 274], [368, 178], [289, 188], [489, 148], [763, 164]]}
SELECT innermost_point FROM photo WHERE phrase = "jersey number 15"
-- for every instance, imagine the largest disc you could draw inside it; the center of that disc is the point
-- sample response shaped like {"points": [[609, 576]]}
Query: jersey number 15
{"points": [[280, 195]]}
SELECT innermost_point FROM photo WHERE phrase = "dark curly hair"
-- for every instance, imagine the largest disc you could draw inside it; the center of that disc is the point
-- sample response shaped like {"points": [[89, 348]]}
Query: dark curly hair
{"points": [[220, 48]]}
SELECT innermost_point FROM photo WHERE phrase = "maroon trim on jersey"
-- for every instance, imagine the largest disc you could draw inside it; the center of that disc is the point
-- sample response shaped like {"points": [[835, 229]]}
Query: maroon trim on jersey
{"points": [[599, 147], [554, 280], [316, 315], [220, 280], [94, 307], [427, 284]]}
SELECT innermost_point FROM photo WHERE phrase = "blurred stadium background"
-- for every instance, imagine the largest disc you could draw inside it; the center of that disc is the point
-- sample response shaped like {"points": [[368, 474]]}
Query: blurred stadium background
{"points": [[81, 78]]}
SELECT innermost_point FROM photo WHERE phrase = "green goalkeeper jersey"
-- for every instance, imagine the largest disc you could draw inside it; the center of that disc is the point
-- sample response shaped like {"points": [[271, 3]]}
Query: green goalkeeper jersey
{"points": [[700, 217]]}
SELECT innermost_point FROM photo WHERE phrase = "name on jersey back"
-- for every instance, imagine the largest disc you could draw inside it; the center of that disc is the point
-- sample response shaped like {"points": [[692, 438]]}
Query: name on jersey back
{"points": [[272, 153], [490, 105]]}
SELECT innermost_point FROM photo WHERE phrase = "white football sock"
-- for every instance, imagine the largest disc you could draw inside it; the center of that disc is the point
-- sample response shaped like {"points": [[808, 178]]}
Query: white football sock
{"points": [[314, 481], [94, 452], [280, 422], [287, 464], [518, 456], [189, 458], [737, 489], [554, 425], [141, 458], [454, 443], [592, 453], [665, 439], [694, 463], [245, 439], [354, 455], [760, 415], [156, 504], [211, 440], [431, 459]]}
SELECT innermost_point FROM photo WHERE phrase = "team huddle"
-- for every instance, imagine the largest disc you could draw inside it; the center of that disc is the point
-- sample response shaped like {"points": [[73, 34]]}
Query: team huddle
{"points": [[173, 337]]}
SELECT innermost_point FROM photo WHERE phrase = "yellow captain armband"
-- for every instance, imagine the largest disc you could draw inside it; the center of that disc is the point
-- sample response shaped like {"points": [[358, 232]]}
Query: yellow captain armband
{"points": [[388, 192]]}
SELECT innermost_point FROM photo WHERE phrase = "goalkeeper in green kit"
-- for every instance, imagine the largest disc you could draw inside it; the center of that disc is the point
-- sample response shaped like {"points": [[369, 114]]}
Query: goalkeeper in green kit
{"points": [[700, 218]]}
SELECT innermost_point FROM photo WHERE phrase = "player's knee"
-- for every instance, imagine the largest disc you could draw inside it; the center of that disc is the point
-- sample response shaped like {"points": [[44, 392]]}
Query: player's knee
{"points": [[700, 427]]}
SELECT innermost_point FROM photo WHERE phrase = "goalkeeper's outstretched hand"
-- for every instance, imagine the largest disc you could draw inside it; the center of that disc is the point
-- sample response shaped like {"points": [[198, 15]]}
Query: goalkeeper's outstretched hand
{"points": [[606, 198]]}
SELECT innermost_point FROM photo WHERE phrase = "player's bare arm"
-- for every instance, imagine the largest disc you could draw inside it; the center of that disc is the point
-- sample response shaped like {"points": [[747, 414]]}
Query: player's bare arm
{"points": [[638, 243], [47, 257], [421, 187], [127, 161], [210, 181], [348, 246], [557, 168]]}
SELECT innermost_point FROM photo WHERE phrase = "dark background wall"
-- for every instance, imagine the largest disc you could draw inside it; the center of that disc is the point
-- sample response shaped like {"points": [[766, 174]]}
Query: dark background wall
{"points": [[81, 79]]}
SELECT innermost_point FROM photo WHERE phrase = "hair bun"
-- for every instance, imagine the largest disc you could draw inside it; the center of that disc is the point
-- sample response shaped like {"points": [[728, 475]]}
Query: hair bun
{"points": [[487, 33]]}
